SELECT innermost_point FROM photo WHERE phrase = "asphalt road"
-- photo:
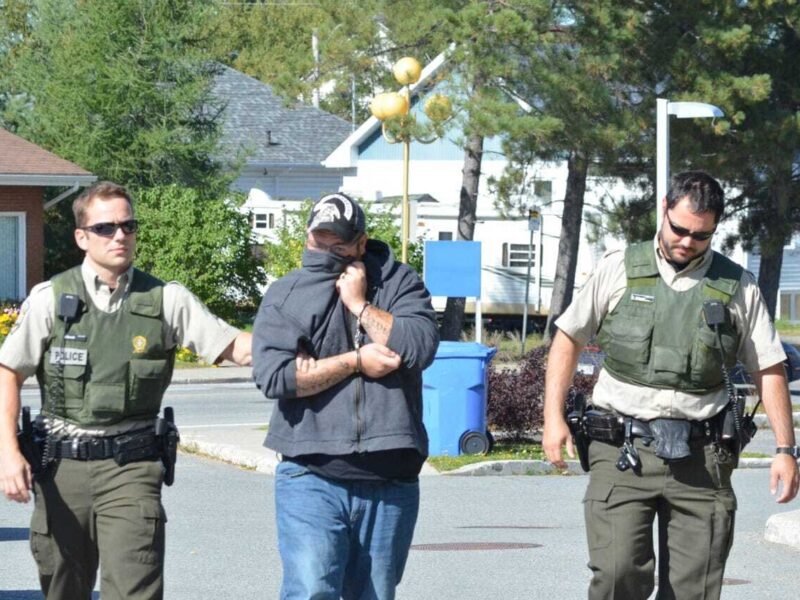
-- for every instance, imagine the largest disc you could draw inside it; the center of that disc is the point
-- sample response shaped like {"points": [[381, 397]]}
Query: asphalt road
{"points": [[201, 405], [507, 538], [221, 540]]}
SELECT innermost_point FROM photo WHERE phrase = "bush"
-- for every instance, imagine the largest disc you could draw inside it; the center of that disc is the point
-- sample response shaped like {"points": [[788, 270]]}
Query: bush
{"points": [[202, 241], [516, 396], [285, 253]]}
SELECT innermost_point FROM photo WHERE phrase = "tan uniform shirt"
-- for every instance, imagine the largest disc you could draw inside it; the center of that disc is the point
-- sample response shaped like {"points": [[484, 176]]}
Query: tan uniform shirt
{"points": [[759, 345], [187, 322]]}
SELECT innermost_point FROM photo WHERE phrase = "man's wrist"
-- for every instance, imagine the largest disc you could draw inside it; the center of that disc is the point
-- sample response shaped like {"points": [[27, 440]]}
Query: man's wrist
{"points": [[359, 307], [793, 451]]}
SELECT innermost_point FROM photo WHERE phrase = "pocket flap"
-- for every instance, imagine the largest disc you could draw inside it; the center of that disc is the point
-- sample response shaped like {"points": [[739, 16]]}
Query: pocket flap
{"points": [[148, 368], [728, 501], [635, 330], [670, 359], [598, 490], [153, 510], [39, 520]]}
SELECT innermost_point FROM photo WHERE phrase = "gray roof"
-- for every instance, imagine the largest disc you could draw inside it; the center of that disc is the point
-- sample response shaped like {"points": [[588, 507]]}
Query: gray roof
{"points": [[259, 122]]}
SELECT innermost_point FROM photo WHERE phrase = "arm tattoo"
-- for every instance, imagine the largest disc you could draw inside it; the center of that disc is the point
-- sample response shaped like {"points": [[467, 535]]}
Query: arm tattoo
{"points": [[377, 323], [324, 377]]}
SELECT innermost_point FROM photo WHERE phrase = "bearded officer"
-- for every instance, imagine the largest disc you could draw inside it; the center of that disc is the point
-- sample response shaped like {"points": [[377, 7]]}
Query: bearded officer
{"points": [[669, 315]]}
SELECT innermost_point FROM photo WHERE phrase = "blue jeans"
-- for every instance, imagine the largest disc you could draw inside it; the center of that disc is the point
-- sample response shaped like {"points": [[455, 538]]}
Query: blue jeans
{"points": [[341, 539]]}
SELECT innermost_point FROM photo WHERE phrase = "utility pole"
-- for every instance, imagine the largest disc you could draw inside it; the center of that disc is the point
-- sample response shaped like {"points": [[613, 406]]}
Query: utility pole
{"points": [[315, 52]]}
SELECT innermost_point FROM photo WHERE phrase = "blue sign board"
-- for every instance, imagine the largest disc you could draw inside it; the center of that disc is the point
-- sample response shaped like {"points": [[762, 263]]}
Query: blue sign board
{"points": [[453, 268]]}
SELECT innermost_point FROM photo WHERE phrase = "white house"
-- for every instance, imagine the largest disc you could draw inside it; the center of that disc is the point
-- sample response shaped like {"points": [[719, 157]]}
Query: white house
{"points": [[436, 171], [302, 152], [282, 147]]}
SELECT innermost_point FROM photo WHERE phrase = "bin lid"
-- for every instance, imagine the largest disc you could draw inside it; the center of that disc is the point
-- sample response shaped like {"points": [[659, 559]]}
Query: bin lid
{"points": [[464, 350]]}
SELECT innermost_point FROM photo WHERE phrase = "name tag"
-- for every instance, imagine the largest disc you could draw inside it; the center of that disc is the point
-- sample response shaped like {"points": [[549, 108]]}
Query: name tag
{"points": [[643, 298], [68, 356]]}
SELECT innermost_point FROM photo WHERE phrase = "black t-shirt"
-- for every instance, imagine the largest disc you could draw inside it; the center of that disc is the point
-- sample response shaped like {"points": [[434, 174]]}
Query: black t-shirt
{"points": [[385, 465]]}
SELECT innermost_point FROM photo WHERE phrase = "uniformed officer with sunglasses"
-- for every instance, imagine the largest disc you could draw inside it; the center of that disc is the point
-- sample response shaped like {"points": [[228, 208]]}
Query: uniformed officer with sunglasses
{"points": [[101, 339], [670, 314]]}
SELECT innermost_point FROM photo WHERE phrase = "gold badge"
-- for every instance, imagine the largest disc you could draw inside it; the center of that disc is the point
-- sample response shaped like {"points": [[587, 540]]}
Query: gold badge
{"points": [[139, 344]]}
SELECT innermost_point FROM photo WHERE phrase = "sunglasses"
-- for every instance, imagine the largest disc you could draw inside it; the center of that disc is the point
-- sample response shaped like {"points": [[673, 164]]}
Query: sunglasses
{"points": [[109, 229], [697, 236]]}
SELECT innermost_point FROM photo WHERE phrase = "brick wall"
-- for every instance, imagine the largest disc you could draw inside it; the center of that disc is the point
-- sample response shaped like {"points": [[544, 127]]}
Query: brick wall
{"points": [[30, 201]]}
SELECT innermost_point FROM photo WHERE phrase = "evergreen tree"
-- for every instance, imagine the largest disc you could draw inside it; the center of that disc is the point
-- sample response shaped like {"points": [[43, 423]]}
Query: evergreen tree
{"points": [[273, 42], [742, 57], [120, 88]]}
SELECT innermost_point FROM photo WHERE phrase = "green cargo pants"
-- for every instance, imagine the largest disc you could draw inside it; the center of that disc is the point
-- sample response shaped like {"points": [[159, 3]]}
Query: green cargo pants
{"points": [[90, 511], [695, 509]]}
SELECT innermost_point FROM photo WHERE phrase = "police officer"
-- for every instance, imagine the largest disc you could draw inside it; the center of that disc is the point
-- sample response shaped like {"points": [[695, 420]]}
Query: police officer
{"points": [[662, 382], [101, 339]]}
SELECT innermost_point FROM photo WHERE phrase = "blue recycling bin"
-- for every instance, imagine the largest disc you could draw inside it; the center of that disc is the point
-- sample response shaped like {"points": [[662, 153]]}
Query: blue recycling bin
{"points": [[454, 391]]}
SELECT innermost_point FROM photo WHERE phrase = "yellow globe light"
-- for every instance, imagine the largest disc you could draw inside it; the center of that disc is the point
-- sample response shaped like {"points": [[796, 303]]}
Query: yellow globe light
{"points": [[438, 108], [394, 104], [407, 70], [377, 107]]}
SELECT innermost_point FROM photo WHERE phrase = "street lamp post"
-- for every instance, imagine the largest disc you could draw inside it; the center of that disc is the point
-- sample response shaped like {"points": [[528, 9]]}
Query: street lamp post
{"points": [[681, 110], [398, 126]]}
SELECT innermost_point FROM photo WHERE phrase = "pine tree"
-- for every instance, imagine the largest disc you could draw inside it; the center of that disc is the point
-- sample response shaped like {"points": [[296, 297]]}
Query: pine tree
{"points": [[121, 88]]}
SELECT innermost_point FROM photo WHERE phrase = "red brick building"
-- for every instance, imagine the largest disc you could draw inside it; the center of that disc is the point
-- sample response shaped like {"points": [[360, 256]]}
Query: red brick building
{"points": [[25, 171]]}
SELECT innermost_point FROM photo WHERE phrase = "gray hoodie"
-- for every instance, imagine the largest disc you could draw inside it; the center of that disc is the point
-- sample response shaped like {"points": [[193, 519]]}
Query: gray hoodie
{"points": [[302, 311]]}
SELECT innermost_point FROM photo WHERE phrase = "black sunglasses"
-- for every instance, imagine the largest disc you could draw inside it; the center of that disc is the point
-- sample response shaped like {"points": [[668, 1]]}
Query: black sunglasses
{"points": [[697, 236], [109, 229]]}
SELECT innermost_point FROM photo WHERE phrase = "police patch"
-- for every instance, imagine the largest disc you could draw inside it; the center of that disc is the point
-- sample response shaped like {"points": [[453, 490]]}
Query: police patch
{"points": [[139, 344], [68, 356]]}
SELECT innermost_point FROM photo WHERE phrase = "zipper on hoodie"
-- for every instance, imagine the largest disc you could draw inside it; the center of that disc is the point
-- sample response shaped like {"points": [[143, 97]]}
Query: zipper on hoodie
{"points": [[356, 339]]}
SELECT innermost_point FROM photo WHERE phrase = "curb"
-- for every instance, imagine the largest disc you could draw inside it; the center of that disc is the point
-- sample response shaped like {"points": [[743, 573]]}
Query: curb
{"points": [[515, 467], [784, 528], [541, 467], [762, 422], [262, 461], [212, 380]]}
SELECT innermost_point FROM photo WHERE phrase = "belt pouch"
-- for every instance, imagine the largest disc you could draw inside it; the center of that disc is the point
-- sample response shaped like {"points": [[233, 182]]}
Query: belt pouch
{"points": [[671, 438], [603, 426], [130, 448]]}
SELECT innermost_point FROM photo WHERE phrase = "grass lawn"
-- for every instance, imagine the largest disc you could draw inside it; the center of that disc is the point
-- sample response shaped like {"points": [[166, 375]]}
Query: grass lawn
{"points": [[786, 328], [755, 455], [795, 408], [501, 451], [508, 343]]}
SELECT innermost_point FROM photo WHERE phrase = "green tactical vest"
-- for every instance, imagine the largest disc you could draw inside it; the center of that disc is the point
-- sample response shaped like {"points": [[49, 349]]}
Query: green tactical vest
{"points": [[658, 337], [116, 365]]}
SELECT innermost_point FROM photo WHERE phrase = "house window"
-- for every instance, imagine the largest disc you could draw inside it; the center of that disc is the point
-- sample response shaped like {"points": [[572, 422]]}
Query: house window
{"points": [[260, 221], [446, 236], [518, 255], [543, 192], [12, 256]]}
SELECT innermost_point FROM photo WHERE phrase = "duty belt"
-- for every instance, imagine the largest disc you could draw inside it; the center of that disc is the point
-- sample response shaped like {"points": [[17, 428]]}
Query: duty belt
{"points": [[124, 448], [670, 437], [611, 427]]}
